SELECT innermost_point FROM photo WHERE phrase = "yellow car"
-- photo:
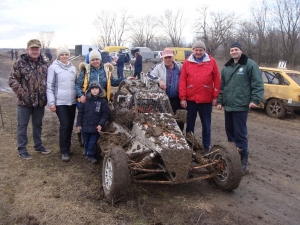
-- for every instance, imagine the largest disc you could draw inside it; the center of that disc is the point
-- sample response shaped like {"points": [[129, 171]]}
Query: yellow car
{"points": [[282, 91]]}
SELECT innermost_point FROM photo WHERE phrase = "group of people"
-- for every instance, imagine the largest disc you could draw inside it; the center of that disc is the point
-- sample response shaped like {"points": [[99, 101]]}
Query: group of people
{"points": [[14, 54], [195, 85], [37, 84]]}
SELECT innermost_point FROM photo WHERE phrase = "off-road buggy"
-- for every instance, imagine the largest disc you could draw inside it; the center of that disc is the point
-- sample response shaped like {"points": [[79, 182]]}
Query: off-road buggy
{"points": [[142, 143]]}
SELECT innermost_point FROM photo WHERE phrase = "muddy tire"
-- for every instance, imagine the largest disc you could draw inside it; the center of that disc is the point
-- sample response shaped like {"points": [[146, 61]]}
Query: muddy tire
{"points": [[115, 174], [231, 176], [275, 108]]}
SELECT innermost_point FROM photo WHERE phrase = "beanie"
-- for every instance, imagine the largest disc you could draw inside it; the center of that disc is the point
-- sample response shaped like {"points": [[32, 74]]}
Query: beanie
{"points": [[94, 54], [236, 45], [90, 49], [199, 44], [62, 50]]}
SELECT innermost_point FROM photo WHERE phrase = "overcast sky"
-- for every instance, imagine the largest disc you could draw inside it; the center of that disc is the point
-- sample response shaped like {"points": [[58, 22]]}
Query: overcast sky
{"points": [[72, 20]]}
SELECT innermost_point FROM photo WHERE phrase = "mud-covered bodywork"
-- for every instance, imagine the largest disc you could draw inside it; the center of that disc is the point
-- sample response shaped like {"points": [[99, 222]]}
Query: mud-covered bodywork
{"points": [[143, 124]]}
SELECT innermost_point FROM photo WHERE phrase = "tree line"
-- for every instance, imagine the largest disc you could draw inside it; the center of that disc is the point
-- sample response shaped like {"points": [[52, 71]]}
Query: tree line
{"points": [[270, 34]]}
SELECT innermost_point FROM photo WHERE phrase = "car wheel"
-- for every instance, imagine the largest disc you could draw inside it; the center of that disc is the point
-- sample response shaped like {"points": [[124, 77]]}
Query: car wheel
{"points": [[230, 175], [115, 174], [275, 108]]}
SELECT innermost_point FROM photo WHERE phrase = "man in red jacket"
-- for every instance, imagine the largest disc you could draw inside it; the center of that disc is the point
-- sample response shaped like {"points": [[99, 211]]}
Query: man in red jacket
{"points": [[199, 87]]}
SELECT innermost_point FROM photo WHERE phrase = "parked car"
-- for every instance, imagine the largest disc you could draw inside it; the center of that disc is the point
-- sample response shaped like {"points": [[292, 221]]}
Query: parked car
{"points": [[157, 54], [145, 52], [180, 54], [115, 48], [282, 91]]}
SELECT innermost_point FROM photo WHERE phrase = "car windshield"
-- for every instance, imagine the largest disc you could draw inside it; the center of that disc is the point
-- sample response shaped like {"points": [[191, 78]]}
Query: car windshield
{"points": [[295, 76]]}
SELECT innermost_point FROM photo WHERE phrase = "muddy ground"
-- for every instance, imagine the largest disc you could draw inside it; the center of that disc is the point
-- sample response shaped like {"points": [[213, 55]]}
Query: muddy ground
{"points": [[46, 190]]}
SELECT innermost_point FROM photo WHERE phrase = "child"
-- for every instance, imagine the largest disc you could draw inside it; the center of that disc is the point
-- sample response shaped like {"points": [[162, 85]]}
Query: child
{"points": [[92, 117]]}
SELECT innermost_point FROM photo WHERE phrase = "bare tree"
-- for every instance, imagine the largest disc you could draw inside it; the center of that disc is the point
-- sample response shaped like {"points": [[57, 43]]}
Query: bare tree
{"points": [[159, 43], [111, 28], [45, 38], [172, 24], [143, 30], [287, 13], [215, 31]]}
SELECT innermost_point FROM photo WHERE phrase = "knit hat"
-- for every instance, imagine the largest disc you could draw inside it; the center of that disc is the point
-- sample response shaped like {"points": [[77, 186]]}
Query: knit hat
{"points": [[94, 54], [236, 45], [199, 44], [90, 49], [62, 50]]}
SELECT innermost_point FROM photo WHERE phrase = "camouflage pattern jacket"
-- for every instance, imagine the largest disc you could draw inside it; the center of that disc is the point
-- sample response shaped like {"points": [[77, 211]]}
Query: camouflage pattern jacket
{"points": [[28, 80]]}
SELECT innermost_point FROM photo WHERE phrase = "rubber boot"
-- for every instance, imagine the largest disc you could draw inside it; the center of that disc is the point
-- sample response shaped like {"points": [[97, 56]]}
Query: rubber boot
{"points": [[244, 159]]}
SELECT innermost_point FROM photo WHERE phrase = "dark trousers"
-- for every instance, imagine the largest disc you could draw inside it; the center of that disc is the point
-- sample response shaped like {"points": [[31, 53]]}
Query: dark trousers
{"points": [[204, 110], [120, 71], [175, 104], [24, 113], [66, 116], [236, 129], [90, 141], [137, 74]]}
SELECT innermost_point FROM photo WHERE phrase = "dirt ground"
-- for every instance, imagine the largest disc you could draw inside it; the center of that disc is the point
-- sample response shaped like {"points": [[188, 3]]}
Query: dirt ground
{"points": [[46, 190]]}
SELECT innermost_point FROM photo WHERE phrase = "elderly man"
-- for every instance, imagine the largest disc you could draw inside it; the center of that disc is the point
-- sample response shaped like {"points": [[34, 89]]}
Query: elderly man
{"points": [[167, 74], [242, 88], [28, 80], [199, 89]]}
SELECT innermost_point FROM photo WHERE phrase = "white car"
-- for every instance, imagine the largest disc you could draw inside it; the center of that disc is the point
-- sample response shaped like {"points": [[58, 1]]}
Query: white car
{"points": [[157, 54]]}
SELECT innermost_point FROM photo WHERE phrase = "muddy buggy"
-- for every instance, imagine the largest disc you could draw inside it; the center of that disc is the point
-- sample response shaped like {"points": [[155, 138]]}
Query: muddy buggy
{"points": [[142, 143]]}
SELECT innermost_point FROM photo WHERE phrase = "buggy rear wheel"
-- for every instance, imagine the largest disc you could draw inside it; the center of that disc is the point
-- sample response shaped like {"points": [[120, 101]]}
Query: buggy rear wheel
{"points": [[231, 173], [115, 174]]}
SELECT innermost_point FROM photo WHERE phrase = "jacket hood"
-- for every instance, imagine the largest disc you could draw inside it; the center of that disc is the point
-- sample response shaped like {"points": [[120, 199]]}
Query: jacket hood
{"points": [[102, 93], [26, 58], [243, 60], [59, 63], [191, 58]]}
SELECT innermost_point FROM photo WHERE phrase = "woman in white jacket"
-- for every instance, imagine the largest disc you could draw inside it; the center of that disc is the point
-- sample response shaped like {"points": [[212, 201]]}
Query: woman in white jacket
{"points": [[61, 97]]}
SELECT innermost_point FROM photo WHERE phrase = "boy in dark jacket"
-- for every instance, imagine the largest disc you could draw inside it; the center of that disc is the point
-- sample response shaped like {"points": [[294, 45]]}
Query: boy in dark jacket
{"points": [[92, 117]]}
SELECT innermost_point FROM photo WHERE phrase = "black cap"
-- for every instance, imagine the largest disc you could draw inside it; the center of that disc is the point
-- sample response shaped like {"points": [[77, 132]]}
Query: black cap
{"points": [[90, 49], [236, 45]]}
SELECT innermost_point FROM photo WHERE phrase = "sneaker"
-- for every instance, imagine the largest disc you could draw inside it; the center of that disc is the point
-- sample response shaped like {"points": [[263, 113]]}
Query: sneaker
{"points": [[65, 157], [43, 151], [245, 172], [25, 156], [92, 159]]}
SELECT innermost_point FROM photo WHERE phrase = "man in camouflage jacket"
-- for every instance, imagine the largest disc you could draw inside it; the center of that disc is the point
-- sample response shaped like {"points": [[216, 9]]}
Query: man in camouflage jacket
{"points": [[28, 80]]}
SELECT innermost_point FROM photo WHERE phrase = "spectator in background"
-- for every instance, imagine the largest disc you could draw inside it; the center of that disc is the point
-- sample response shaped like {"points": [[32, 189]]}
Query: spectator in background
{"points": [[28, 80], [120, 64], [61, 96], [105, 57], [87, 59], [167, 74], [16, 54], [199, 88], [138, 65], [12, 54], [48, 54], [242, 88]]}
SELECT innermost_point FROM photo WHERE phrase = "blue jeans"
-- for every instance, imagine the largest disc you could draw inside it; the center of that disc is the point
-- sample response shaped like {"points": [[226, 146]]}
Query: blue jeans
{"points": [[90, 141], [204, 110], [23, 116], [66, 116], [236, 129]]}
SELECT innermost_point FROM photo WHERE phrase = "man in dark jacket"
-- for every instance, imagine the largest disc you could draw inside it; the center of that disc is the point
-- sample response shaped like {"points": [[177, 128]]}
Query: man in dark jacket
{"points": [[12, 54], [28, 80], [242, 88], [120, 64], [92, 117], [138, 65]]}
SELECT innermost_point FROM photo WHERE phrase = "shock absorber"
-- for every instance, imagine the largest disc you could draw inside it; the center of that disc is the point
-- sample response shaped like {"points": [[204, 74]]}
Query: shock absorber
{"points": [[146, 161]]}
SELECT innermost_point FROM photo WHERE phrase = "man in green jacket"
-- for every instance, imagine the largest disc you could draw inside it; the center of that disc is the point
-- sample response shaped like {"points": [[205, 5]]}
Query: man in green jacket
{"points": [[242, 88]]}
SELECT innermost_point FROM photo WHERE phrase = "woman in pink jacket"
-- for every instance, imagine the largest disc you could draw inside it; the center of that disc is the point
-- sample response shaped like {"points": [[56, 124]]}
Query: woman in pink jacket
{"points": [[199, 88]]}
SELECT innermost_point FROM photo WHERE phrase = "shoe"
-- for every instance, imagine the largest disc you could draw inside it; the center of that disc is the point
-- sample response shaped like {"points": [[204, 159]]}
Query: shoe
{"points": [[245, 172], [65, 157], [25, 156], [92, 159], [43, 151]]}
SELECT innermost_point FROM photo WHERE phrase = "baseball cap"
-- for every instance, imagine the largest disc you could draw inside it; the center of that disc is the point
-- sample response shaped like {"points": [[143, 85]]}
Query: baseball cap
{"points": [[167, 52], [34, 43]]}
